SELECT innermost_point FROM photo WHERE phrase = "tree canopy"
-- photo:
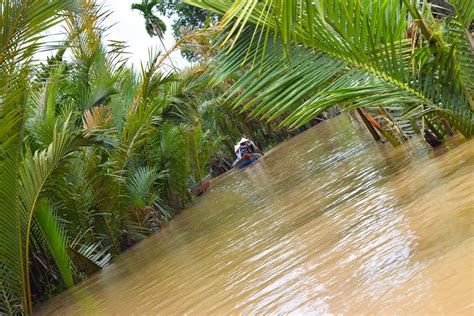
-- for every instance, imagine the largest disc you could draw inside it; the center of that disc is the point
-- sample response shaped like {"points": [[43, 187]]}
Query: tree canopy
{"points": [[186, 18]]}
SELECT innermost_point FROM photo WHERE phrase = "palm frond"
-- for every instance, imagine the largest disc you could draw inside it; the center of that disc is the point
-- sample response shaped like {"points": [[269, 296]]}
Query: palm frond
{"points": [[367, 39], [22, 26], [35, 172], [89, 259], [56, 239], [140, 186], [11, 262]]}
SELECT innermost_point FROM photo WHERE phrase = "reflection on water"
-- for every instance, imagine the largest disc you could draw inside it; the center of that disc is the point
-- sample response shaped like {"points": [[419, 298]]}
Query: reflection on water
{"points": [[328, 222]]}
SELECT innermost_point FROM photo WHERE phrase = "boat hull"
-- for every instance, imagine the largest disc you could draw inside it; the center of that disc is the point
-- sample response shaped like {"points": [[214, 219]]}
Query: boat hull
{"points": [[246, 160]]}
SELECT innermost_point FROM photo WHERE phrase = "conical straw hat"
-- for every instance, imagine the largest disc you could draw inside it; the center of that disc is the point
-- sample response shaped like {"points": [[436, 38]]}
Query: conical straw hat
{"points": [[242, 140]]}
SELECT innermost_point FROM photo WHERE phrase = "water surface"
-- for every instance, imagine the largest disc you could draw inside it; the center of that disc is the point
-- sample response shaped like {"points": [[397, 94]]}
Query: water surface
{"points": [[328, 222]]}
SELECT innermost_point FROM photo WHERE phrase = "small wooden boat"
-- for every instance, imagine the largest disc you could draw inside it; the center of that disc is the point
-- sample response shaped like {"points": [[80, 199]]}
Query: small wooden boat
{"points": [[246, 160], [201, 187]]}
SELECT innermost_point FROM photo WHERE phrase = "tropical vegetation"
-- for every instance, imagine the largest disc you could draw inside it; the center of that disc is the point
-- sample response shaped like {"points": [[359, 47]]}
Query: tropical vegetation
{"points": [[96, 155], [185, 19], [407, 62]]}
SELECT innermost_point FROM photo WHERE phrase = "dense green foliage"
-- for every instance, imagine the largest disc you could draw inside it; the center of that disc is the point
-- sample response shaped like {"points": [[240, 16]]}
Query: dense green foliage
{"points": [[95, 156], [393, 58]]}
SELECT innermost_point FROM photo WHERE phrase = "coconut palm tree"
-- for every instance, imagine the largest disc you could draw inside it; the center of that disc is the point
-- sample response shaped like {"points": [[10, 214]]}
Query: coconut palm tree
{"points": [[153, 24], [302, 57]]}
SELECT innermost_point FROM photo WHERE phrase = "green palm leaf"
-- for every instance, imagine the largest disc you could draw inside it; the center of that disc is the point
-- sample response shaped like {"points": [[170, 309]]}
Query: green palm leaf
{"points": [[22, 25], [11, 267], [368, 39], [35, 172], [56, 239], [89, 259]]}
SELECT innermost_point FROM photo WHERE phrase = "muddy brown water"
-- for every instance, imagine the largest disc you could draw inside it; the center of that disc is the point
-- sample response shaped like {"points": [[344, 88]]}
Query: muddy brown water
{"points": [[326, 223]]}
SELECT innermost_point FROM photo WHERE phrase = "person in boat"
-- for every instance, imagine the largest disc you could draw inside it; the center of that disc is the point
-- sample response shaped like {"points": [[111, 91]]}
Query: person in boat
{"points": [[243, 147], [246, 146]]}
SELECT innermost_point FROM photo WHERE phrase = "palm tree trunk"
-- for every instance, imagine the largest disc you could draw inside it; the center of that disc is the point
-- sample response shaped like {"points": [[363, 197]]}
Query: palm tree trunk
{"points": [[157, 32], [196, 159], [367, 123]]}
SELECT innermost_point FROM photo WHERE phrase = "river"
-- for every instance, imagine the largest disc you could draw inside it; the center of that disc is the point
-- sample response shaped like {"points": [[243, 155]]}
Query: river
{"points": [[328, 222]]}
